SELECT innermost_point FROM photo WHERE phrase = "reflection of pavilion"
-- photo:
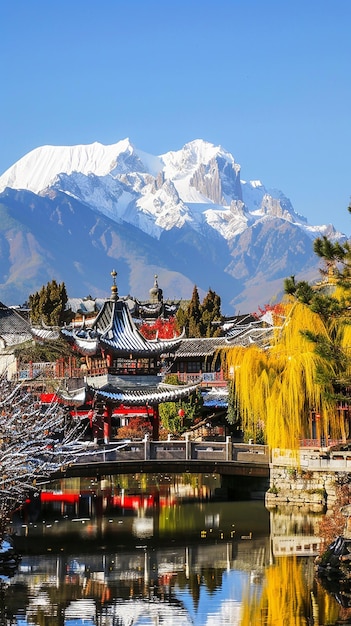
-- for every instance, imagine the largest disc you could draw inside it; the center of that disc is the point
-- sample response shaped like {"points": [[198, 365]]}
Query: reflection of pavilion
{"points": [[133, 365]]}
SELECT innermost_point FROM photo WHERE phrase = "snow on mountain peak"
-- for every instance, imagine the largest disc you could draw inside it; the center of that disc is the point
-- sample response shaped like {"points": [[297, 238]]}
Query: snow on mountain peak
{"points": [[193, 154], [38, 169], [198, 184]]}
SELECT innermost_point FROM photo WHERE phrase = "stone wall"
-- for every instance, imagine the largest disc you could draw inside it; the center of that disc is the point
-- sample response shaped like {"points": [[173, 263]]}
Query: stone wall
{"points": [[289, 485]]}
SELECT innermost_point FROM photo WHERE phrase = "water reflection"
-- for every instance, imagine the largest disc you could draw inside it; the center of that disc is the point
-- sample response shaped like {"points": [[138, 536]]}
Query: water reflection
{"points": [[164, 553], [290, 596]]}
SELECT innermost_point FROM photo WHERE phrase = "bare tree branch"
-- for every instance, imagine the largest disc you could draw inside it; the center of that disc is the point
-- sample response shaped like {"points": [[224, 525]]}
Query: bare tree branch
{"points": [[35, 441]]}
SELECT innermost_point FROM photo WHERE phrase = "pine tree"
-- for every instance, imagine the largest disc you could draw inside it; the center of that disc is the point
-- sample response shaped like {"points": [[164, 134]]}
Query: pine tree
{"points": [[210, 312], [49, 304], [198, 319], [182, 319], [194, 315]]}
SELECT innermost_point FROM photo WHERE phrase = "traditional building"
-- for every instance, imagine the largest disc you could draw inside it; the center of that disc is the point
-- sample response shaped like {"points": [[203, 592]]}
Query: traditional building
{"points": [[134, 376], [199, 359], [156, 306], [14, 330]]}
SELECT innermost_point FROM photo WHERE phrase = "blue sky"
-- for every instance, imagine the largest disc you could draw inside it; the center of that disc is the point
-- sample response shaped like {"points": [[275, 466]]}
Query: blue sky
{"points": [[269, 80]]}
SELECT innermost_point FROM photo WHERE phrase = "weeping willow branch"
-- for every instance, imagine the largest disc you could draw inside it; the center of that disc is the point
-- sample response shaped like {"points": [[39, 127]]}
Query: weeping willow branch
{"points": [[280, 386]]}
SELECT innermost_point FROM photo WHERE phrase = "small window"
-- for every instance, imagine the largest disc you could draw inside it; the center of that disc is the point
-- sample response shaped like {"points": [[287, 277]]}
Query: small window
{"points": [[194, 367]]}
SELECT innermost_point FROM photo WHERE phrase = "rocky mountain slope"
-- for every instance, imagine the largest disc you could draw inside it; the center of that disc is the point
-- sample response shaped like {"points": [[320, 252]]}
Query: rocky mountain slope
{"points": [[75, 213]]}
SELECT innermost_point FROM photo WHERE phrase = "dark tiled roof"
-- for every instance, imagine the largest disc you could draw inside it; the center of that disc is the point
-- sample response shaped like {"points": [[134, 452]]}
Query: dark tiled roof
{"points": [[85, 306], [245, 332], [147, 395], [115, 330], [198, 347], [45, 334], [13, 328], [123, 337], [86, 340], [238, 320], [258, 334]]}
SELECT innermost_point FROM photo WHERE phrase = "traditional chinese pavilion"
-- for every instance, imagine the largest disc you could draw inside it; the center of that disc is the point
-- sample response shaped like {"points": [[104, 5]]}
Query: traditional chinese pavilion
{"points": [[133, 362]]}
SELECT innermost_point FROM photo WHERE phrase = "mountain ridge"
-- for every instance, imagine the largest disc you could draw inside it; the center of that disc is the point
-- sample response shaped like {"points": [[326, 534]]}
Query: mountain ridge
{"points": [[185, 215]]}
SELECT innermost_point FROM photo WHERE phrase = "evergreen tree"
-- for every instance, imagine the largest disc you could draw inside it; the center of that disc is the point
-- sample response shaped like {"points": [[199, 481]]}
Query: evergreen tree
{"points": [[210, 312], [194, 315], [48, 305], [182, 319], [197, 318]]}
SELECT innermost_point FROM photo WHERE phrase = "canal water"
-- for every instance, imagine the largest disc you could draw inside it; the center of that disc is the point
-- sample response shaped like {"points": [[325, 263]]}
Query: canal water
{"points": [[170, 550]]}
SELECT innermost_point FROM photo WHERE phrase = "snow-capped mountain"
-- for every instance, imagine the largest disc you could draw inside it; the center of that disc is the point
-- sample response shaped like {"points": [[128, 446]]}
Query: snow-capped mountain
{"points": [[187, 206]]}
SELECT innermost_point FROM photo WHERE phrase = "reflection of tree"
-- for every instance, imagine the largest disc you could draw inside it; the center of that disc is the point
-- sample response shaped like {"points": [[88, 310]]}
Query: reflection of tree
{"points": [[286, 598], [194, 583], [210, 577], [178, 519], [76, 605], [12, 599]]}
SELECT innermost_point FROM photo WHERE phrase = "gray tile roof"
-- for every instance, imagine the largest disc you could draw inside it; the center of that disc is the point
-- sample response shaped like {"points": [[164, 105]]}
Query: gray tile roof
{"points": [[148, 395], [200, 347], [14, 329], [115, 330], [45, 334], [248, 331], [253, 334], [123, 336]]}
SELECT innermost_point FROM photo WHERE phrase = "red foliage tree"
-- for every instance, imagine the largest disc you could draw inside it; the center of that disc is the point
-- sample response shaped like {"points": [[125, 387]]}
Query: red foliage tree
{"points": [[277, 309], [161, 328], [137, 428]]}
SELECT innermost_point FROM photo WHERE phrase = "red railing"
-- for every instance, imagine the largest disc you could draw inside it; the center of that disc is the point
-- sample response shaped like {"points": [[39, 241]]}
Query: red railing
{"points": [[317, 443]]}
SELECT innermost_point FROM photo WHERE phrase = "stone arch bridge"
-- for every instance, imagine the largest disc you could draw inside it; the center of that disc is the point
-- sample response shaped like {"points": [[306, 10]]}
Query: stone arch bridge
{"points": [[224, 458]]}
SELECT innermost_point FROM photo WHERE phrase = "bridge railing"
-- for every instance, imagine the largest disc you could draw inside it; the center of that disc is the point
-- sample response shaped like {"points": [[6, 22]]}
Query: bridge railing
{"points": [[318, 459], [179, 450]]}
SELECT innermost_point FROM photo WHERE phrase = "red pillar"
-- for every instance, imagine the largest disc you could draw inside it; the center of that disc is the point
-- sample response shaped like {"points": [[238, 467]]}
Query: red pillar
{"points": [[107, 423], [155, 424]]}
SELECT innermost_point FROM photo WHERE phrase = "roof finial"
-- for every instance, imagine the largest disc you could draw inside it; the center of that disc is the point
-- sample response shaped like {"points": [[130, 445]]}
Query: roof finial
{"points": [[114, 290], [155, 292]]}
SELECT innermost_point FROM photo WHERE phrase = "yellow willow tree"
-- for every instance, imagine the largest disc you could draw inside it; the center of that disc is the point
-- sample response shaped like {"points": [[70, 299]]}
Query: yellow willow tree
{"points": [[277, 387]]}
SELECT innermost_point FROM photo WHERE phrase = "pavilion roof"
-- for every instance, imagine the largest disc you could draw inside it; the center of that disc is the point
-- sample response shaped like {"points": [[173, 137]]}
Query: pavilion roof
{"points": [[244, 331], [114, 330], [254, 333], [152, 395], [129, 396]]}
